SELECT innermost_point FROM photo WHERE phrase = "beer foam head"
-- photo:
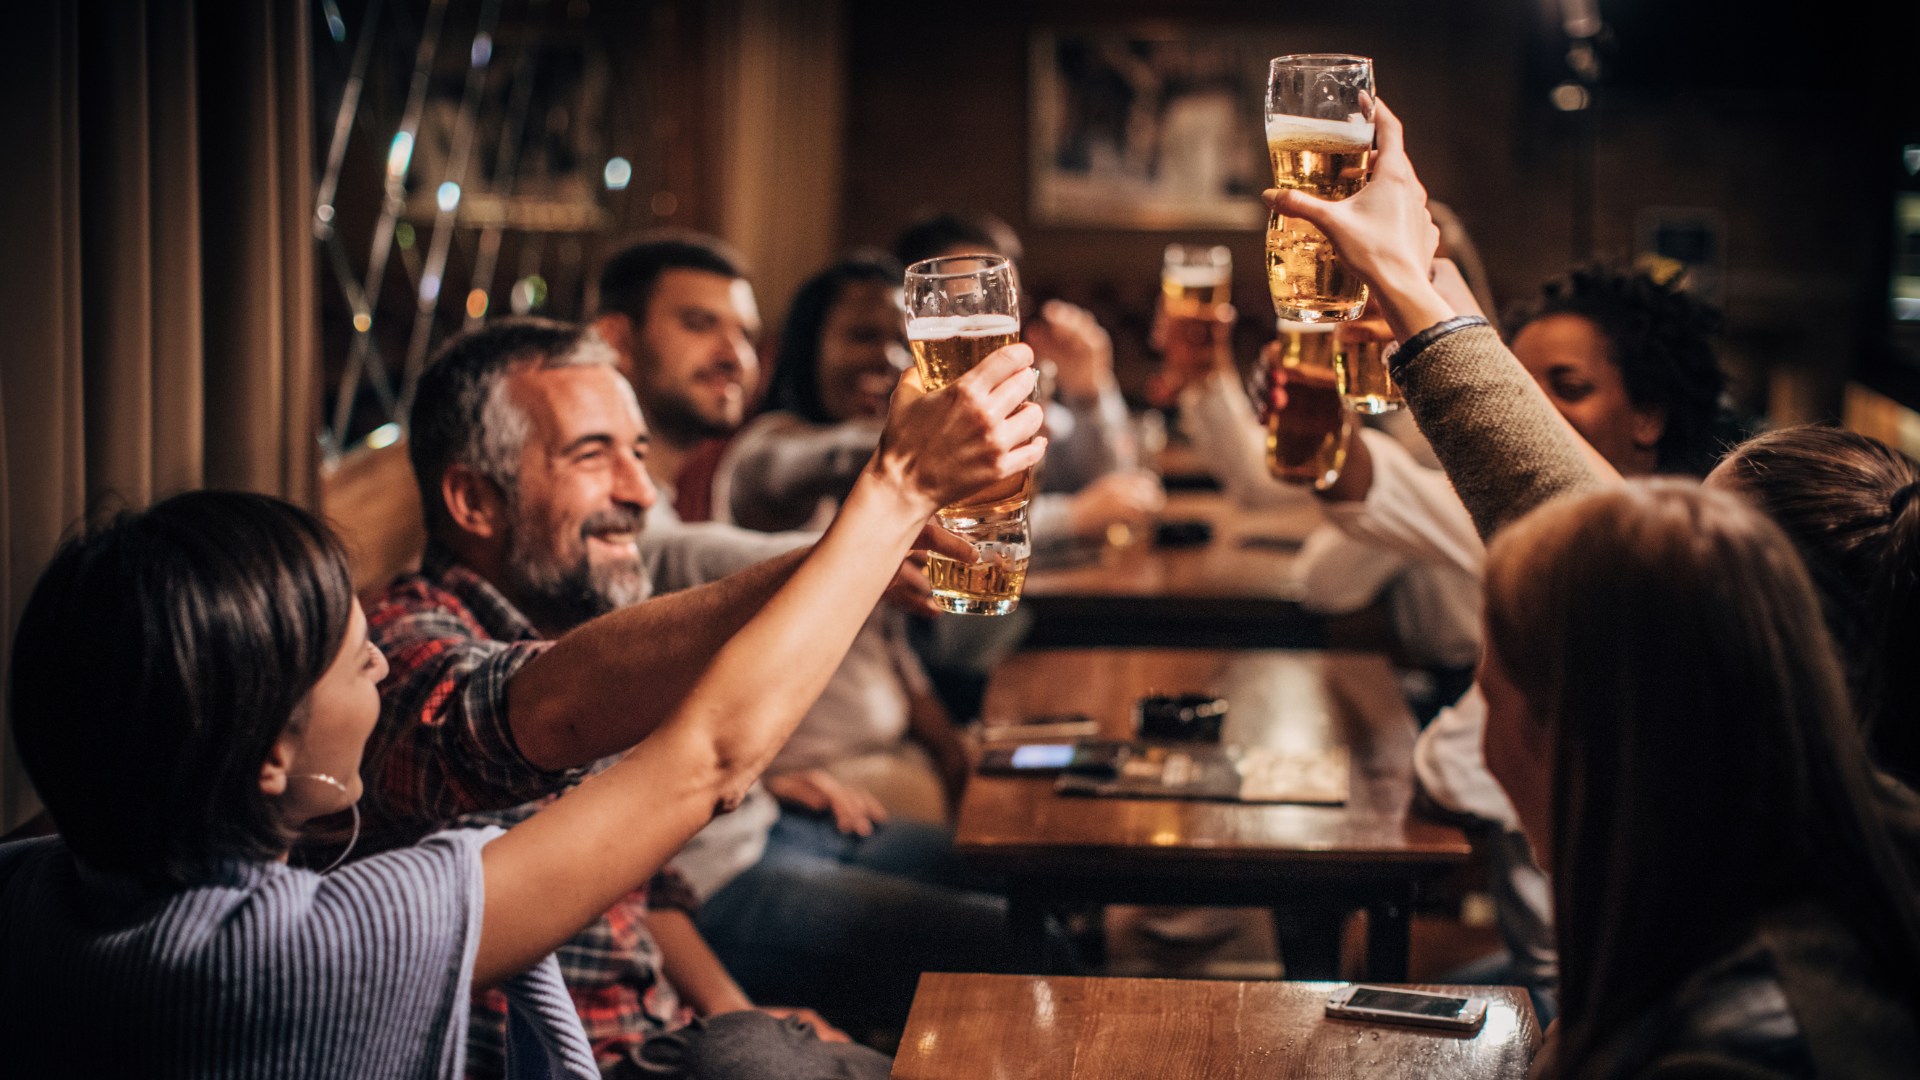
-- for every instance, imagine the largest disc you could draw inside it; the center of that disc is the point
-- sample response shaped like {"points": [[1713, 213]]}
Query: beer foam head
{"points": [[940, 327], [1195, 275], [1327, 136], [1288, 326]]}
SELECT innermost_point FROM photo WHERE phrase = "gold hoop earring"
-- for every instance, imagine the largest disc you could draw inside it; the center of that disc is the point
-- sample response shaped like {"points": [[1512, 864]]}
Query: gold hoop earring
{"points": [[354, 806]]}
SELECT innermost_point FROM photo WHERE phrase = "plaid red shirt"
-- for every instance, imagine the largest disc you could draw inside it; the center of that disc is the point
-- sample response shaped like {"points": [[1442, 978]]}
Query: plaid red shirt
{"points": [[443, 754]]}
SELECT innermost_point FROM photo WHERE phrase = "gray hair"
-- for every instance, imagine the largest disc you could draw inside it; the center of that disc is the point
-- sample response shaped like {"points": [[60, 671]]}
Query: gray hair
{"points": [[463, 415]]}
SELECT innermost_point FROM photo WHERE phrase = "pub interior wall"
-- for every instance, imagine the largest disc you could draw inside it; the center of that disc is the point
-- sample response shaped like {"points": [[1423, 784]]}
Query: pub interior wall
{"points": [[940, 120]]}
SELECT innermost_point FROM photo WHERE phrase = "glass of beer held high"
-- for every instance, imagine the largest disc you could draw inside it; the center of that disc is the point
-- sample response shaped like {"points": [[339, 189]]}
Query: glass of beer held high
{"points": [[1320, 137], [1196, 287], [1307, 436], [960, 309], [1360, 365]]}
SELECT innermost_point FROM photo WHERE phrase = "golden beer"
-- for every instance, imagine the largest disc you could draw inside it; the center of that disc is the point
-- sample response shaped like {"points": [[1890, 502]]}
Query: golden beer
{"points": [[946, 348], [993, 582], [1192, 312], [1327, 159], [1360, 371], [1196, 298], [994, 521], [1195, 292], [1307, 440], [962, 342]]}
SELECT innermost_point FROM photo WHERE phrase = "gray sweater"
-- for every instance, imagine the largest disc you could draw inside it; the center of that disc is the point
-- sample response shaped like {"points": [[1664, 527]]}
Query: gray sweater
{"points": [[1490, 426], [266, 971]]}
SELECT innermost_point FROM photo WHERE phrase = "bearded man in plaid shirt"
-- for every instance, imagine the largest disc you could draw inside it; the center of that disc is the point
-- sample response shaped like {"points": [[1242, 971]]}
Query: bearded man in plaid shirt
{"points": [[528, 447], [523, 659]]}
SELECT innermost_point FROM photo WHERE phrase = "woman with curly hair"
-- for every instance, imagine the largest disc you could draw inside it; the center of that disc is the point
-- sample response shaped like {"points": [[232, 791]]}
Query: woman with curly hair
{"points": [[1629, 362]]}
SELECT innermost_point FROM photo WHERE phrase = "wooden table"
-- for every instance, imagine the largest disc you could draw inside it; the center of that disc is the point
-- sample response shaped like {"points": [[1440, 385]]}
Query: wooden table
{"points": [[1061, 1028], [1329, 859], [1233, 592]]}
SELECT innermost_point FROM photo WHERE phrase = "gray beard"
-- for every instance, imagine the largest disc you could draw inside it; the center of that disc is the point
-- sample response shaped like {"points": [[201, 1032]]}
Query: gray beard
{"points": [[565, 597]]}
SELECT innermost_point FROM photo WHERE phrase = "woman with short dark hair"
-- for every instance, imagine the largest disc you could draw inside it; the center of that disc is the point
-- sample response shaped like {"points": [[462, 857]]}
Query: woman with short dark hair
{"points": [[207, 612], [190, 686], [193, 684]]}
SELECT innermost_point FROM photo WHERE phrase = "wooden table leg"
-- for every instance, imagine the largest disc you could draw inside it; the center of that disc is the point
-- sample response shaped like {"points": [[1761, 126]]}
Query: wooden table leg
{"points": [[1390, 936], [1027, 927]]}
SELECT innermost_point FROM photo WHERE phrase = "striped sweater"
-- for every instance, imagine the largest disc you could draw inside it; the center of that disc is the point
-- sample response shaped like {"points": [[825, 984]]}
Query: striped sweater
{"points": [[266, 971]]}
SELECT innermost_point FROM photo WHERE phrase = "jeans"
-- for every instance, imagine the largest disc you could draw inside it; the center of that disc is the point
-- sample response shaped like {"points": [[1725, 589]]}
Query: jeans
{"points": [[845, 924]]}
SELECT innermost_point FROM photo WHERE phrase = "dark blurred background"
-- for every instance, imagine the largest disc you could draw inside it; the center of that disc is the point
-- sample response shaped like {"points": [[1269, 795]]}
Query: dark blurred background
{"points": [[1766, 145]]}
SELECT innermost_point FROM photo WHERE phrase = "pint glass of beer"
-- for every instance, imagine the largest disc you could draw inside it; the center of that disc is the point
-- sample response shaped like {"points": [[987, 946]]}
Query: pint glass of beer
{"points": [[1360, 369], [1196, 290], [1306, 439], [1320, 137], [960, 309]]}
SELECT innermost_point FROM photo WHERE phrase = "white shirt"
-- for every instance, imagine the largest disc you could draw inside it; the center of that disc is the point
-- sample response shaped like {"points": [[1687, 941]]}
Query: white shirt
{"points": [[1411, 510], [865, 706], [1412, 537], [1343, 566]]}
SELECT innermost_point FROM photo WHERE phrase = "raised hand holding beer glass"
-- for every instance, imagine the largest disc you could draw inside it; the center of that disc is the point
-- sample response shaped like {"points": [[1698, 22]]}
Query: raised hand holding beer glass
{"points": [[1384, 233], [1320, 137], [960, 310], [1360, 364]]}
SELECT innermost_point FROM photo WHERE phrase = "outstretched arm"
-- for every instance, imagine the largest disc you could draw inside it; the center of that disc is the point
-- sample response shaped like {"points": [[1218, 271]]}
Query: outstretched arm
{"points": [[1505, 447], [549, 876], [612, 681]]}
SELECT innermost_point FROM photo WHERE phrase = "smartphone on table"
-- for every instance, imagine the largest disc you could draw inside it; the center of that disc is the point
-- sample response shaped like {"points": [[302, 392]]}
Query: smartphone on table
{"points": [[1100, 759], [1393, 1005]]}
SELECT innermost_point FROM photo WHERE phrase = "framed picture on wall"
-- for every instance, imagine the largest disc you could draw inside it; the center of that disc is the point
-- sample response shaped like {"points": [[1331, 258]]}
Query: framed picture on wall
{"points": [[1148, 129]]}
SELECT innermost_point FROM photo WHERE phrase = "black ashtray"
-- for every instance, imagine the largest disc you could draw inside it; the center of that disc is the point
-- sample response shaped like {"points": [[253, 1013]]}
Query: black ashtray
{"points": [[1186, 718], [1169, 534]]}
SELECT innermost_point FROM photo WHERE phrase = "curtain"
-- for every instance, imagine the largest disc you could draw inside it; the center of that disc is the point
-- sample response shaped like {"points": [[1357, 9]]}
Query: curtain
{"points": [[781, 68], [157, 289]]}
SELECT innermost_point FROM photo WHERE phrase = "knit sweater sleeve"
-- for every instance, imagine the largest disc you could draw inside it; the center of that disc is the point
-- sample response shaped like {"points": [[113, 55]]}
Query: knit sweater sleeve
{"points": [[1491, 427]]}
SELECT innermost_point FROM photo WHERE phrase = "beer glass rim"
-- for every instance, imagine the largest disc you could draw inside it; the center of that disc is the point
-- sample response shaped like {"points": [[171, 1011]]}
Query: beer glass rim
{"points": [[1319, 60], [925, 268]]}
